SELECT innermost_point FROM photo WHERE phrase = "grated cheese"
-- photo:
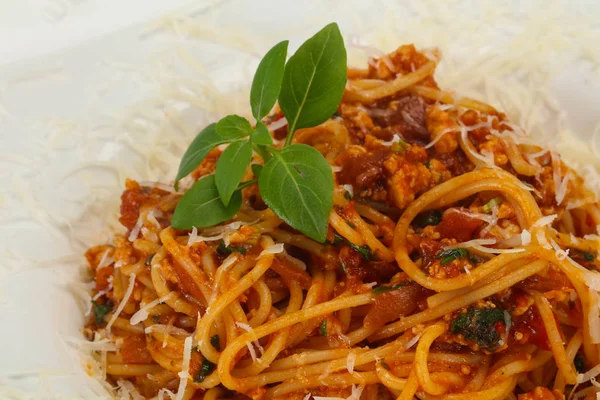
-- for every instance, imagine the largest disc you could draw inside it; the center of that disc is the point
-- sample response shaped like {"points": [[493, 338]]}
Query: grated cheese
{"points": [[525, 237], [349, 189], [249, 329], [121, 304], [184, 375], [195, 238], [136, 229], [272, 249], [350, 360], [142, 314], [127, 391]]}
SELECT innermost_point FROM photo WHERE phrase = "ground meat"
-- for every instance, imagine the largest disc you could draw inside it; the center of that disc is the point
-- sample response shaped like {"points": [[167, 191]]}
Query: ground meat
{"points": [[131, 200], [404, 116], [439, 122], [405, 180]]}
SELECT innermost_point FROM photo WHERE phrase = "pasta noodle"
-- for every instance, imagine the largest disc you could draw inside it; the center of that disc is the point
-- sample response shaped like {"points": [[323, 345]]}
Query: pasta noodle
{"points": [[461, 263]]}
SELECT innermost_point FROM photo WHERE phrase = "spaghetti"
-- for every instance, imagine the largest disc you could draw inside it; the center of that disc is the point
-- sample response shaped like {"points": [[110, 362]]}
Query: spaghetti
{"points": [[461, 263]]}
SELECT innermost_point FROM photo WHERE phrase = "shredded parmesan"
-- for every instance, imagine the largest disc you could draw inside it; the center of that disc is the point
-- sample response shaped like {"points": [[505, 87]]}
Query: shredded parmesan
{"points": [[350, 360], [249, 329], [525, 237], [349, 189], [184, 375], [194, 238], [272, 249], [121, 304], [477, 244], [142, 314], [136, 230], [127, 390]]}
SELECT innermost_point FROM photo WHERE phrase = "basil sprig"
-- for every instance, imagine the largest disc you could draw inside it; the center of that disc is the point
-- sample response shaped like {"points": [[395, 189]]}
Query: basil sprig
{"points": [[296, 182]]}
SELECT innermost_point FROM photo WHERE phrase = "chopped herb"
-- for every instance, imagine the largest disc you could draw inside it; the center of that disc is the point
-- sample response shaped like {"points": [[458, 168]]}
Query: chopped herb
{"points": [[399, 147], [428, 164], [205, 370], [450, 255], [383, 289], [347, 195], [432, 217], [323, 328], [579, 364], [480, 325], [364, 250], [225, 250], [156, 318], [214, 341], [384, 364], [490, 205], [343, 266], [100, 311], [350, 224], [148, 261], [588, 256]]}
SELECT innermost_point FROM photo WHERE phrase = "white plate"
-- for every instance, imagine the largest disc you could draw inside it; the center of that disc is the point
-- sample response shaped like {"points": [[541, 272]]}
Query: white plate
{"points": [[66, 117]]}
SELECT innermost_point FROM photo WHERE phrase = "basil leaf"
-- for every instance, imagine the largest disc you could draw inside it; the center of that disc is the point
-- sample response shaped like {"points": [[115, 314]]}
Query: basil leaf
{"points": [[314, 80], [201, 206], [297, 185], [261, 135], [231, 167], [234, 126], [256, 169], [267, 80], [202, 144]]}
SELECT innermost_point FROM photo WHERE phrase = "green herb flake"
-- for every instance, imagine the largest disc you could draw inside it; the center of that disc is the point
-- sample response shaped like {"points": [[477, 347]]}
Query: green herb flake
{"points": [[343, 267], [428, 164], [449, 255], [491, 205], [579, 363], [156, 318], [588, 256], [432, 217], [384, 289], [225, 250], [214, 341], [148, 261], [384, 364], [347, 195], [100, 311], [399, 147], [323, 328], [363, 250], [205, 370], [480, 325]]}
